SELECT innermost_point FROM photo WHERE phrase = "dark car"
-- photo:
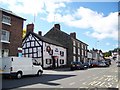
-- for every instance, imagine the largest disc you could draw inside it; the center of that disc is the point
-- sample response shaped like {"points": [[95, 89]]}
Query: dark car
{"points": [[86, 65], [108, 61], [76, 65]]}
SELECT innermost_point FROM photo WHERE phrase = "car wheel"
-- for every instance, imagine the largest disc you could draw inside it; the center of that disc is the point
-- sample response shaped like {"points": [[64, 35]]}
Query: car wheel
{"points": [[19, 75], [39, 73]]}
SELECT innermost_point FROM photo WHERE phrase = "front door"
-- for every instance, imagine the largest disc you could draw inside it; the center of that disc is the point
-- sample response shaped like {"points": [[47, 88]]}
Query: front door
{"points": [[55, 61]]}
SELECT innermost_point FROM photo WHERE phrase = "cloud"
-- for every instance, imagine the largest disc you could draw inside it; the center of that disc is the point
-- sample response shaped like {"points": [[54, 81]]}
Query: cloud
{"points": [[101, 26], [33, 7]]}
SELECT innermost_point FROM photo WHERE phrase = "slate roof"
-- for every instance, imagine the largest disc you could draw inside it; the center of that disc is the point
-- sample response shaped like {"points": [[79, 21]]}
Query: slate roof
{"points": [[44, 39], [61, 32]]}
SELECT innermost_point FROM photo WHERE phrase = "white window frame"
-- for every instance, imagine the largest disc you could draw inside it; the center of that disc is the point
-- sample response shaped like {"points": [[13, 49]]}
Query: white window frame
{"points": [[6, 19], [82, 52], [5, 38], [74, 43], [82, 46], [78, 51], [78, 59], [74, 50], [74, 58], [78, 44]]}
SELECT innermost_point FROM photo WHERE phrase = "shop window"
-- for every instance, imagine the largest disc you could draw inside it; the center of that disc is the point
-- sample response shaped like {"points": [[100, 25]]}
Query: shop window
{"points": [[48, 61], [61, 61]]}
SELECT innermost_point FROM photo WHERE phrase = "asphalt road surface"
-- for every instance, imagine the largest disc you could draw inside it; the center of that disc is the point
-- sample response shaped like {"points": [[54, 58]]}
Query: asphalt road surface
{"points": [[102, 77]]}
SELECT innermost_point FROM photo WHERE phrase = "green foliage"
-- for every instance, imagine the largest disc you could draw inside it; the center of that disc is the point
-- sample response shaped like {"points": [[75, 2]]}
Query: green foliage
{"points": [[109, 53]]}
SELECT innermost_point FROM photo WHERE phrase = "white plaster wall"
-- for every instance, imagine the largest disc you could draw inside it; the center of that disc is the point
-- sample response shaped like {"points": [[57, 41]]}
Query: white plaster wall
{"points": [[47, 56]]}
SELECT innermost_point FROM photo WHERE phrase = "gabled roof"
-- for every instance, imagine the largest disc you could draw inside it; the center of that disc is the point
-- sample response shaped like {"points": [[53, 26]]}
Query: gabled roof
{"points": [[10, 12], [61, 32], [44, 39]]}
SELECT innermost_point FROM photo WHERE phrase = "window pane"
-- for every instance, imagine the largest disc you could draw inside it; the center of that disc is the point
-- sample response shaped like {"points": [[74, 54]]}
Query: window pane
{"points": [[5, 35], [6, 19]]}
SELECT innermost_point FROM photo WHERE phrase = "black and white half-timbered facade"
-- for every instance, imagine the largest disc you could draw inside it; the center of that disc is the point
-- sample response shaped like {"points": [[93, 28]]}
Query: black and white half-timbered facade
{"points": [[47, 52]]}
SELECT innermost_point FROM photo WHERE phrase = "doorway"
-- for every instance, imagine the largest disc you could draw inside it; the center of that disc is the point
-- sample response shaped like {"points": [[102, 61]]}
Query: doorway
{"points": [[55, 61]]}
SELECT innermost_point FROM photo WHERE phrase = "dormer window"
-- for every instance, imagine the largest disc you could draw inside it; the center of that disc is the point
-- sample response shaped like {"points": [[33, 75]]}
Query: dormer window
{"points": [[6, 20]]}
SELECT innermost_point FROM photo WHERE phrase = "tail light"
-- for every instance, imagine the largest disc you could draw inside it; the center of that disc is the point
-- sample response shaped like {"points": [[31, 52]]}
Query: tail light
{"points": [[11, 69]]}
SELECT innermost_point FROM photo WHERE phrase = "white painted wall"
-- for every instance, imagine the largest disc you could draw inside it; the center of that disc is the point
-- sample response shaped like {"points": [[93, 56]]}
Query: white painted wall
{"points": [[89, 55], [47, 56]]}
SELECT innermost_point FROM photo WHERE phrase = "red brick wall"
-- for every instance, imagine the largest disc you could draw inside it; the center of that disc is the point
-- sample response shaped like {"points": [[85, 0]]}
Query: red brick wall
{"points": [[15, 29]]}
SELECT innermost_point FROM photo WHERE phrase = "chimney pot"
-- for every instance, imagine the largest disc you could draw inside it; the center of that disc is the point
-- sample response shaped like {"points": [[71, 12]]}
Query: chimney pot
{"points": [[73, 35], [57, 26], [40, 33], [30, 28]]}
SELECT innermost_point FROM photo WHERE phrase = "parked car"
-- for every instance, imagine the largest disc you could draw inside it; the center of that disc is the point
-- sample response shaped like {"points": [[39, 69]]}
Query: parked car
{"points": [[103, 64], [108, 61], [118, 63], [86, 65], [76, 65], [94, 64]]}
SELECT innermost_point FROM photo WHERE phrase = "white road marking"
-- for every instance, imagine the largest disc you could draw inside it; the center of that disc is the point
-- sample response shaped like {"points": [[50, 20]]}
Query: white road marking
{"points": [[97, 83], [72, 83], [101, 78], [109, 84], [117, 86], [84, 83], [102, 84], [61, 87], [92, 83]]}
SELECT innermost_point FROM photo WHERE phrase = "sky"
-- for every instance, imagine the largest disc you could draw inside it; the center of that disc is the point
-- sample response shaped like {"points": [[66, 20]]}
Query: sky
{"points": [[95, 23]]}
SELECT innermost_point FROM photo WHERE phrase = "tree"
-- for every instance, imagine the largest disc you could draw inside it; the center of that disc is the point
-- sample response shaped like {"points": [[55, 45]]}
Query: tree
{"points": [[24, 33]]}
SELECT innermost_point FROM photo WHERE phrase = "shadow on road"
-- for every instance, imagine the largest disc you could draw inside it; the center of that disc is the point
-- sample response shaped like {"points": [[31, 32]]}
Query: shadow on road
{"points": [[31, 80]]}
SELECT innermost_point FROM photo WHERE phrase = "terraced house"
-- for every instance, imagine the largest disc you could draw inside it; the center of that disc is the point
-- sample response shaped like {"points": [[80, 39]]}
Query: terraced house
{"points": [[11, 27], [76, 49]]}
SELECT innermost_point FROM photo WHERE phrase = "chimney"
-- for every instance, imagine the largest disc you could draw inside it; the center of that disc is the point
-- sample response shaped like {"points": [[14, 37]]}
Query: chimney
{"points": [[40, 33], [57, 26], [30, 28], [73, 35]]}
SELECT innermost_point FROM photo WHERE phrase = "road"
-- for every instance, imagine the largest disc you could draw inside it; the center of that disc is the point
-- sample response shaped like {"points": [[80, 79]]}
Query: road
{"points": [[104, 77]]}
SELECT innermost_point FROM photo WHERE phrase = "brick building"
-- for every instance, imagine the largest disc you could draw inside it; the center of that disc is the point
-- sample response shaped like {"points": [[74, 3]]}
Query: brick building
{"points": [[11, 27], [76, 49]]}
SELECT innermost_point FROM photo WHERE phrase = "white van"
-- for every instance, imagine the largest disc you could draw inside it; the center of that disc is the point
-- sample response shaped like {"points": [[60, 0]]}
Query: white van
{"points": [[18, 66]]}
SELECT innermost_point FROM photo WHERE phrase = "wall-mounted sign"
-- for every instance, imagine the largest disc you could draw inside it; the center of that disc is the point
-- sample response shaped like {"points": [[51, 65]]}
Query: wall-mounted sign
{"points": [[56, 50], [48, 49]]}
